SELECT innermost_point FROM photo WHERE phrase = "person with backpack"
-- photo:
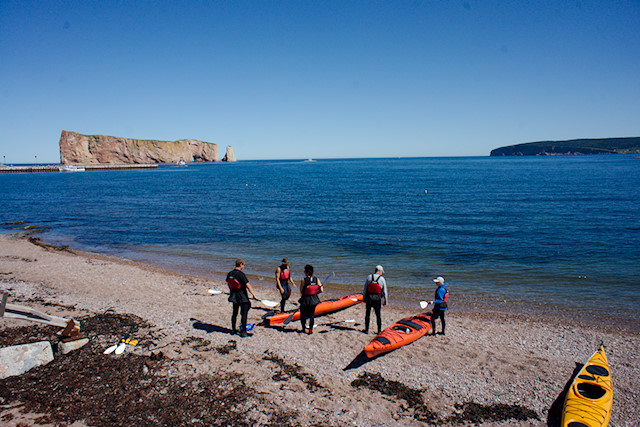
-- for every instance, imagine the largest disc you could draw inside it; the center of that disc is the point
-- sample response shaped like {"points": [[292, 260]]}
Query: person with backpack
{"points": [[310, 287], [440, 302], [238, 287], [283, 279], [375, 295]]}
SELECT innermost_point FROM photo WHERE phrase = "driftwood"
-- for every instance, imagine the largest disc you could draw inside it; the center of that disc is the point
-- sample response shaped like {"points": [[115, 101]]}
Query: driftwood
{"points": [[19, 312]]}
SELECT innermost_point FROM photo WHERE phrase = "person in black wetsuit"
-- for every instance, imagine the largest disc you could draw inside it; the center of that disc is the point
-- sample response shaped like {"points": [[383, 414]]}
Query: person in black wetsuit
{"points": [[238, 287], [310, 287], [283, 279], [375, 295]]}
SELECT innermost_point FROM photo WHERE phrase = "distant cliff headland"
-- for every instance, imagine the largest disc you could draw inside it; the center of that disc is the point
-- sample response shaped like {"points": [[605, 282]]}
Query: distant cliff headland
{"points": [[573, 146], [81, 149]]}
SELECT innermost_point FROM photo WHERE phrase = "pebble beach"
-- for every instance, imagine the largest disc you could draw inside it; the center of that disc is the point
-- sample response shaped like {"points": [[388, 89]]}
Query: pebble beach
{"points": [[514, 364]]}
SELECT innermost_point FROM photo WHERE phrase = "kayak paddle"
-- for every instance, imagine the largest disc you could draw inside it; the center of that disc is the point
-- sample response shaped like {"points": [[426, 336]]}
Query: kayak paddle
{"points": [[269, 303], [111, 349]]}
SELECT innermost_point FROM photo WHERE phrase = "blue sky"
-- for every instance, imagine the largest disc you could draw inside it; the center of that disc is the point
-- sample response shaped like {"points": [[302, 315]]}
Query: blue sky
{"points": [[323, 79]]}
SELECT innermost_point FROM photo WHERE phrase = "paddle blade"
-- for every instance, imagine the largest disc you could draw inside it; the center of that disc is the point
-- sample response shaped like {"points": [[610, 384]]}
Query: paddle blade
{"points": [[269, 303], [329, 278], [288, 319], [111, 349], [120, 348], [423, 304], [214, 291]]}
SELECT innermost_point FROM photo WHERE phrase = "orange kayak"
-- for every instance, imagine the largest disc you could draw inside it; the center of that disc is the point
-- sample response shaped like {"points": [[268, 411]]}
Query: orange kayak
{"points": [[325, 307], [401, 333]]}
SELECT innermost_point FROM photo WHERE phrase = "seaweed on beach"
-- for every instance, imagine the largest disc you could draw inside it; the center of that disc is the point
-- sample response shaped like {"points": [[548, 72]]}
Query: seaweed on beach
{"points": [[132, 389], [376, 382], [26, 334], [287, 371], [110, 323], [46, 246], [477, 413], [412, 396], [227, 348], [471, 412], [197, 343]]}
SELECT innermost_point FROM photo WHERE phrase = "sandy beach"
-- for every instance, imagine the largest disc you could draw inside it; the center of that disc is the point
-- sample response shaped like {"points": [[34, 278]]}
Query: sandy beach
{"points": [[491, 369]]}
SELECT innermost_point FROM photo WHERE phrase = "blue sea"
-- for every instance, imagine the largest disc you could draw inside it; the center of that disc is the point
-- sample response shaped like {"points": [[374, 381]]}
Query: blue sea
{"points": [[560, 232]]}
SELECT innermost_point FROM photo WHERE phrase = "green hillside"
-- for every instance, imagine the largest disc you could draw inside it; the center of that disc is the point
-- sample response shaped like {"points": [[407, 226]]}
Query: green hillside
{"points": [[573, 146]]}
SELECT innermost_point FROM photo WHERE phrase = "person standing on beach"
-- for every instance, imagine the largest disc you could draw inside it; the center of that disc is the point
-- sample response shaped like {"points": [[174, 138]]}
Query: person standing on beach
{"points": [[238, 287], [375, 295], [310, 287], [283, 279], [440, 302]]}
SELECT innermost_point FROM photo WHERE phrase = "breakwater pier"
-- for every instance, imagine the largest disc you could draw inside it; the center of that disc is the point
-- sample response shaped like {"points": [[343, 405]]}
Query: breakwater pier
{"points": [[73, 168]]}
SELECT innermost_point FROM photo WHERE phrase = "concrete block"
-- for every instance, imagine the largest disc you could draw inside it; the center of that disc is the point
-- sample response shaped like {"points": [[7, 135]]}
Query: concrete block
{"points": [[18, 359], [68, 347]]}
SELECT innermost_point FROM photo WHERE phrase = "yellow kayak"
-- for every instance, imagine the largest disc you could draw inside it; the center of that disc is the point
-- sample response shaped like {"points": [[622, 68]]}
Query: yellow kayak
{"points": [[588, 402]]}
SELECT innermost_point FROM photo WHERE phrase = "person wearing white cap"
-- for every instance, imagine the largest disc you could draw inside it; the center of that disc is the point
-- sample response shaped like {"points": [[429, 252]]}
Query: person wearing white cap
{"points": [[440, 303], [375, 294]]}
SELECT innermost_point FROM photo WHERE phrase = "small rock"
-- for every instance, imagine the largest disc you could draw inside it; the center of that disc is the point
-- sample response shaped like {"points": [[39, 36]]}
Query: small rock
{"points": [[68, 347]]}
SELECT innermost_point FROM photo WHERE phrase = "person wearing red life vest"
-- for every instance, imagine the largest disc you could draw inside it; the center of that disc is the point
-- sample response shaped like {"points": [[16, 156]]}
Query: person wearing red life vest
{"points": [[283, 279], [238, 287], [375, 295], [310, 287], [440, 303]]}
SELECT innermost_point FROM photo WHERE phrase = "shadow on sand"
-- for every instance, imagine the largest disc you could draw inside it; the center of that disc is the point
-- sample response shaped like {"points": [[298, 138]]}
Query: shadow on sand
{"points": [[554, 416], [360, 360], [208, 328]]}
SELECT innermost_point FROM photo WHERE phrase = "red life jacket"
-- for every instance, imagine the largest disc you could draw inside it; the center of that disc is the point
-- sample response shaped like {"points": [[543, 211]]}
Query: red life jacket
{"points": [[233, 283], [374, 287], [446, 297], [284, 274], [311, 286]]}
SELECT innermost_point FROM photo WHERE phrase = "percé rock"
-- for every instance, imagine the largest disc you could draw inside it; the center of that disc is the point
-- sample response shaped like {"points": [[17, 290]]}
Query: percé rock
{"points": [[573, 146], [229, 157], [81, 149]]}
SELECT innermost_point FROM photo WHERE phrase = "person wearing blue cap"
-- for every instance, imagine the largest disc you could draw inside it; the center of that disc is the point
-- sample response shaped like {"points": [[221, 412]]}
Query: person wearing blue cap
{"points": [[440, 303]]}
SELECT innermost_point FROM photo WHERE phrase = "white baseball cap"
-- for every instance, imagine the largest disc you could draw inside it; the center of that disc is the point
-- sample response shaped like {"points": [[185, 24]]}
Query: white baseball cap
{"points": [[439, 279], [379, 268]]}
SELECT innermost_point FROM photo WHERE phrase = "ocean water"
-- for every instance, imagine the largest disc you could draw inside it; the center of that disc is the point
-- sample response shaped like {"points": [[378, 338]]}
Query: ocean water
{"points": [[561, 232]]}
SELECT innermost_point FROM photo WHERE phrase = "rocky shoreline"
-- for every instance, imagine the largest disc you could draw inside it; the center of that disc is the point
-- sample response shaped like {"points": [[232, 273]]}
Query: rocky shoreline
{"points": [[490, 369]]}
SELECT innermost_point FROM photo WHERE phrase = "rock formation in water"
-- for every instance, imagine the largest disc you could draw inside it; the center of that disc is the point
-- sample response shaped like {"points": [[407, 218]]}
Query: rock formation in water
{"points": [[573, 146], [76, 148], [229, 157]]}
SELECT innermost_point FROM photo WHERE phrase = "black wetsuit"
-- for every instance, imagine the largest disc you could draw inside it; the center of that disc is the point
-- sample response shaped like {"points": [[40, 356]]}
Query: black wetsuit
{"points": [[284, 283], [373, 300], [240, 300], [308, 303]]}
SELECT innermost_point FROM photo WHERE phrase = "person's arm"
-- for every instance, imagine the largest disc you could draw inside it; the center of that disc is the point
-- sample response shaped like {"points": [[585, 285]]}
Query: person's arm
{"points": [[278, 280], [385, 295], [291, 279], [439, 296], [251, 291], [320, 284], [366, 285]]}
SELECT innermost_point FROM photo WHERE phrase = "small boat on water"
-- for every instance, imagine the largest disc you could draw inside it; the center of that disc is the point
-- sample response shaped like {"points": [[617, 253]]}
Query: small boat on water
{"points": [[325, 307], [590, 397], [401, 333], [181, 163], [71, 168]]}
